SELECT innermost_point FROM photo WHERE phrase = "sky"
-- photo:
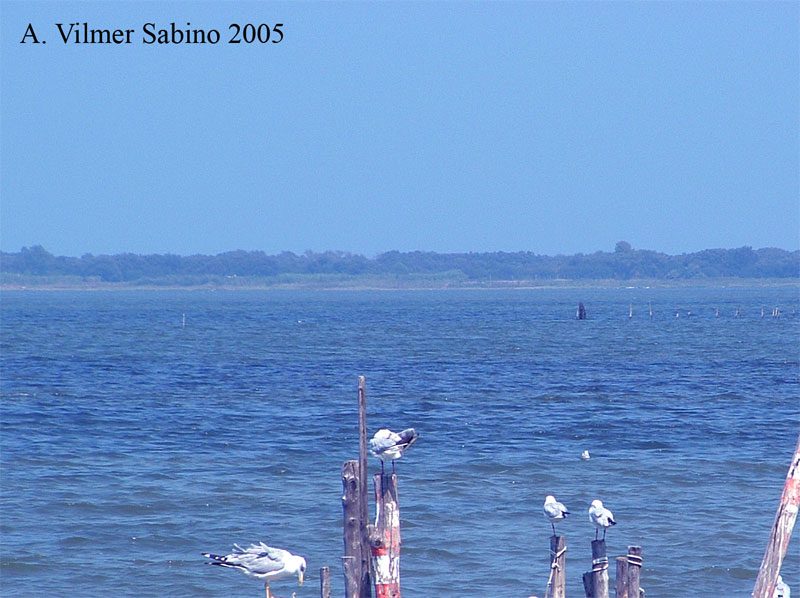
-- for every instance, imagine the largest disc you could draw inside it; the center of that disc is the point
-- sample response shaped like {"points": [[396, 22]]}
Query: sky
{"points": [[551, 127]]}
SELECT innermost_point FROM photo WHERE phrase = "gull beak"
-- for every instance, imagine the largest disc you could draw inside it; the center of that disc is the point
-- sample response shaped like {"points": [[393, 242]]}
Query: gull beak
{"points": [[300, 577]]}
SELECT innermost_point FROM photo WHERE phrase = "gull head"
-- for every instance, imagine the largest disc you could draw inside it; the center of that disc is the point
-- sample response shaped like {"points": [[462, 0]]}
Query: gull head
{"points": [[297, 564], [596, 504], [549, 498]]}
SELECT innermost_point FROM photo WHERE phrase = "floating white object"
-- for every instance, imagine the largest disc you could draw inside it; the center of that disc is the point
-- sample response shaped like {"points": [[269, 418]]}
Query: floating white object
{"points": [[585, 455]]}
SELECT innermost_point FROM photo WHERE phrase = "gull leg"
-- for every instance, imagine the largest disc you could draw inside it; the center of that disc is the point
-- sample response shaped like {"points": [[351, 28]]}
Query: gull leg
{"points": [[595, 534], [392, 465], [381, 467], [604, 534], [554, 528]]}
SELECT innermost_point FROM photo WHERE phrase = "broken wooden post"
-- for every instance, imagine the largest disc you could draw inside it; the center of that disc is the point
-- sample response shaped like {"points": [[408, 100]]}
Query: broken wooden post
{"points": [[633, 572], [621, 581], [556, 584], [363, 512], [351, 561], [325, 582], [599, 569], [384, 537], [781, 530], [588, 584]]}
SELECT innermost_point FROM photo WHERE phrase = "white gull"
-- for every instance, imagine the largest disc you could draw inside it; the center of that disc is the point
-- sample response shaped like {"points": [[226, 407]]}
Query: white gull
{"points": [[261, 562]]}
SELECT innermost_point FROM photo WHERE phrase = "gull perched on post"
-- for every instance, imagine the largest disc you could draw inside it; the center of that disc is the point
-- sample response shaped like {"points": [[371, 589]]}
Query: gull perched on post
{"points": [[261, 562], [388, 445], [600, 517], [554, 511]]}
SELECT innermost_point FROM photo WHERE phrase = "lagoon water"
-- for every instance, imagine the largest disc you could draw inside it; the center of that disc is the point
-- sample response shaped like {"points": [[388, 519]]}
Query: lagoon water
{"points": [[131, 444]]}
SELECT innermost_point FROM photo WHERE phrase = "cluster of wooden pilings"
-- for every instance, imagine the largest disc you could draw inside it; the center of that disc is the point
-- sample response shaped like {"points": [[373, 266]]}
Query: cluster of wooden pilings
{"points": [[595, 582], [372, 552]]}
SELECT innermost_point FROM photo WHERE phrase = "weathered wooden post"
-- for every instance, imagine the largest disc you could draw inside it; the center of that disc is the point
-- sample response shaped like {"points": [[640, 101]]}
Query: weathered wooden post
{"points": [[384, 537], [365, 585], [556, 584], [325, 582], [351, 561], [621, 581], [781, 530], [588, 584], [599, 573], [633, 572]]}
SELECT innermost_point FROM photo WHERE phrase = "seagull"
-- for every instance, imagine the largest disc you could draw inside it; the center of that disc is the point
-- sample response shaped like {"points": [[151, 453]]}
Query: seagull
{"points": [[554, 511], [600, 517], [585, 455], [388, 445], [262, 562]]}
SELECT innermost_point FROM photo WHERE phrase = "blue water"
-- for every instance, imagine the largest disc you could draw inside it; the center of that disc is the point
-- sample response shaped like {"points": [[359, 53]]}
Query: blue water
{"points": [[131, 444]]}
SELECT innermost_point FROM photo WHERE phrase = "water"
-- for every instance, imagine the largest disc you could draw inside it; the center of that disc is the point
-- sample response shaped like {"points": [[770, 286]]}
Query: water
{"points": [[131, 444]]}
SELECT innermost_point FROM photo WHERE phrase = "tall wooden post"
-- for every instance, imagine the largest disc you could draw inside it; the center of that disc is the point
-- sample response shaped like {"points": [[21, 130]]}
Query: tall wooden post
{"points": [[351, 561], [384, 537], [781, 530], [365, 585], [599, 569], [634, 569], [325, 582], [556, 584]]}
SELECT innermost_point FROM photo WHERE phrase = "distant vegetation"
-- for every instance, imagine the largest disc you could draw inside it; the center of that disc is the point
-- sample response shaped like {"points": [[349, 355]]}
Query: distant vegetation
{"points": [[35, 265]]}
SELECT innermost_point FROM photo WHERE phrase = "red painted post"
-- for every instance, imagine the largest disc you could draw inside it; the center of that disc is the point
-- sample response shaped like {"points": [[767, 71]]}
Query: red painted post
{"points": [[781, 531], [385, 538]]}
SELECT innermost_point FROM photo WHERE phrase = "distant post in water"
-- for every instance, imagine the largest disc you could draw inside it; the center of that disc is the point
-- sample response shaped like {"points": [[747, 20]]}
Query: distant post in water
{"points": [[581, 313], [781, 530], [384, 538]]}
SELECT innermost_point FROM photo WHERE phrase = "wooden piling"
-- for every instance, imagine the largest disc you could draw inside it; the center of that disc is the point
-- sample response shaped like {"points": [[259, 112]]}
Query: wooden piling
{"points": [[556, 584], [621, 581], [365, 584], [781, 531], [588, 584], [599, 569], [384, 537], [351, 561], [633, 572], [325, 582]]}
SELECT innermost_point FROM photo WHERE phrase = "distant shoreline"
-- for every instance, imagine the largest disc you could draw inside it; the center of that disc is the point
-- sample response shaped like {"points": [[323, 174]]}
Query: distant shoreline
{"points": [[357, 284]]}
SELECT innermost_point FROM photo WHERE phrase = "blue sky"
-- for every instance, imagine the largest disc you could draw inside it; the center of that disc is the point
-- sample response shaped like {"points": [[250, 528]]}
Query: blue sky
{"points": [[552, 127]]}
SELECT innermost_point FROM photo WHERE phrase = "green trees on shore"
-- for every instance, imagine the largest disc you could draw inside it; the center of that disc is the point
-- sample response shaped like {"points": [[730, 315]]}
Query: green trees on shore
{"points": [[623, 263]]}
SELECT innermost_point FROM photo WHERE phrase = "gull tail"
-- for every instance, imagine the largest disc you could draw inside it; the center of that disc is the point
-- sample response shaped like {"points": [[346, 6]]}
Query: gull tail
{"points": [[216, 557]]}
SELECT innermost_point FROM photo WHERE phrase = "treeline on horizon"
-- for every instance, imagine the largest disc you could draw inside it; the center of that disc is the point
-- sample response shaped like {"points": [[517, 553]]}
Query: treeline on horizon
{"points": [[623, 263]]}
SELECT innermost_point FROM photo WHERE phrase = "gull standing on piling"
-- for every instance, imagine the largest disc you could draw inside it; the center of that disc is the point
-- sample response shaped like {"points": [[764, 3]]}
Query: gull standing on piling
{"points": [[389, 446], [554, 511], [600, 517], [261, 562]]}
